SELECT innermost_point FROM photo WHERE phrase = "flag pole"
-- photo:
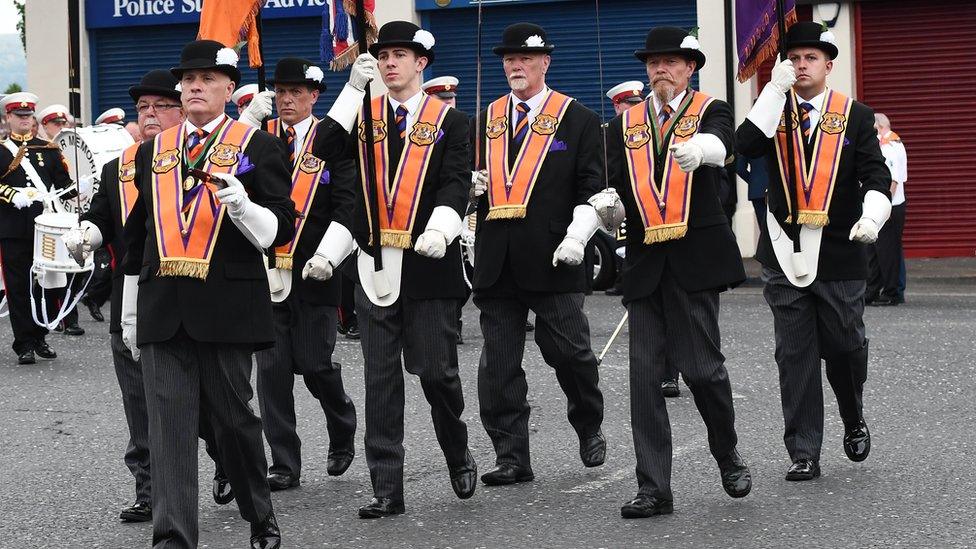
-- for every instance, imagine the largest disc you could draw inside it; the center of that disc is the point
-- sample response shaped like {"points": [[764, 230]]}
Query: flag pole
{"points": [[369, 164], [788, 122]]}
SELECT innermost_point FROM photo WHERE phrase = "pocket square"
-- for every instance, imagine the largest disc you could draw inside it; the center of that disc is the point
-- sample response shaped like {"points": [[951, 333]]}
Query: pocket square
{"points": [[557, 145], [325, 178]]}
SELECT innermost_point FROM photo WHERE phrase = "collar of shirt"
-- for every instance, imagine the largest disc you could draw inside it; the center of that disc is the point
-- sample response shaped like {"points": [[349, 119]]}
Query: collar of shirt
{"points": [[817, 103], [301, 131], [674, 103], [209, 127], [535, 104], [411, 105]]}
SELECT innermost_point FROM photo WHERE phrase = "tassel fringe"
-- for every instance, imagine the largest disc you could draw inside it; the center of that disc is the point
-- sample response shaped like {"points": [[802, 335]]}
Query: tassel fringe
{"points": [[182, 267], [817, 219], [506, 212], [653, 235], [769, 49], [284, 262]]}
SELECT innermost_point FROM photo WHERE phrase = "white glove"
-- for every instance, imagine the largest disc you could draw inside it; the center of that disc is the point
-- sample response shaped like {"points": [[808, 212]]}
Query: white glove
{"points": [[783, 76], [688, 155], [85, 238], [569, 251], [318, 267], [609, 208], [431, 243], [479, 182], [875, 211], [865, 231], [363, 70], [130, 299], [259, 109], [86, 186], [21, 200], [234, 196]]}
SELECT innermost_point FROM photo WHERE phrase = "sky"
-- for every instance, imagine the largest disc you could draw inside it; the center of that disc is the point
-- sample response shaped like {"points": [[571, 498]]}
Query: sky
{"points": [[8, 17]]}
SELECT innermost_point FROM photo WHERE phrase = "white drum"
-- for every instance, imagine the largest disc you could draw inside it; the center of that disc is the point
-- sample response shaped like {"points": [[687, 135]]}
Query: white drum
{"points": [[93, 146], [52, 261]]}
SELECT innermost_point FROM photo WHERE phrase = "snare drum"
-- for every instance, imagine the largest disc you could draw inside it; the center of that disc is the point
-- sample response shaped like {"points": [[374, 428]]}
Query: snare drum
{"points": [[96, 146], [51, 258]]}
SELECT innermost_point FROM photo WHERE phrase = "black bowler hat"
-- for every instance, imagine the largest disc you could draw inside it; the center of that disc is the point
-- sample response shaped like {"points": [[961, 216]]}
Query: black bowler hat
{"points": [[405, 34], [675, 40], [156, 82], [295, 70], [524, 38], [208, 55], [811, 35]]}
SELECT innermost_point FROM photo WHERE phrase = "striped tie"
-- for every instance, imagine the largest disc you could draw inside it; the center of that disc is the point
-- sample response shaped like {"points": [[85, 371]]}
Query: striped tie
{"points": [[805, 120], [401, 121], [194, 145], [664, 116], [290, 139], [522, 122]]}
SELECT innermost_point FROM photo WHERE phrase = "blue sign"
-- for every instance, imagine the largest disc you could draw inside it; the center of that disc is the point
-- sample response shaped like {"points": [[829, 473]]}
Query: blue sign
{"points": [[429, 5], [100, 14]]}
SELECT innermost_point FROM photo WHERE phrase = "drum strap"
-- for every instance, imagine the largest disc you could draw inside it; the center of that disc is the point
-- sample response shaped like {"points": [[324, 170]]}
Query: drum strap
{"points": [[32, 175]]}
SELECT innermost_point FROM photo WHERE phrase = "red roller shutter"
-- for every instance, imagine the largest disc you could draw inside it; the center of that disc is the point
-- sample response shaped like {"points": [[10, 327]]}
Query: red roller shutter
{"points": [[917, 65]]}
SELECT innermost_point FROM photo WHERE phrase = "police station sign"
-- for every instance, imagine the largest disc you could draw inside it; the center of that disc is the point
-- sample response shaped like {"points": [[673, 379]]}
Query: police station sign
{"points": [[127, 13]]}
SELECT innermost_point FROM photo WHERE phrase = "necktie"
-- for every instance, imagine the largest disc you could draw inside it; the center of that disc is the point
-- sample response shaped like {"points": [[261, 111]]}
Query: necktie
{"points": [[805, 120], [401, 121], [664, 116], [290, 139], [194, 145], [522, 122]]}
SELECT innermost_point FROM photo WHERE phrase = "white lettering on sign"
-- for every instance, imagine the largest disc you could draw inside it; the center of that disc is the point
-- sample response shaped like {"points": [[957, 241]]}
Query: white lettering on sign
{"points": [[137, 8], [192, 6]]}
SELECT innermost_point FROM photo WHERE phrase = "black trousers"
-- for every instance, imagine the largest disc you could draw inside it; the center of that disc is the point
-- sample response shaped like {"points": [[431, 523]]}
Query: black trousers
{"points": [[100, 288], [424, 333], [17, 256], [823, 321], [305, 336], [673, 327], [886, 256], [192, 387], [562, 333]]}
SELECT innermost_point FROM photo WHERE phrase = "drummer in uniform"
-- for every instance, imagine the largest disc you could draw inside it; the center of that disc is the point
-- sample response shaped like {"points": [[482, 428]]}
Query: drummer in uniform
{"points": [[115, 115], [28, 164], [242, 97], [53, 119]]}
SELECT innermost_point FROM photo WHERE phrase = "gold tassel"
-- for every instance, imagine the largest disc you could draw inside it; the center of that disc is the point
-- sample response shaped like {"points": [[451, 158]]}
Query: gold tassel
{"points": [[396, 239], [345, 58], [284, 262], [653, 235], [506, 212], [817, 219], [180, 267]]}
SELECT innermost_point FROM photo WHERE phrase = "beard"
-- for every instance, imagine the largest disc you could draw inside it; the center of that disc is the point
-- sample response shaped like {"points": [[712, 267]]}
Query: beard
{"points": [[518, 83], [664, 91]]}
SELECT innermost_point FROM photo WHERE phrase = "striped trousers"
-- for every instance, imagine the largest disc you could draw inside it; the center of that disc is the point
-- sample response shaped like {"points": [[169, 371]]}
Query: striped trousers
{"points": [[674, 327], [825, 321], [424, 333], [129, 373]]}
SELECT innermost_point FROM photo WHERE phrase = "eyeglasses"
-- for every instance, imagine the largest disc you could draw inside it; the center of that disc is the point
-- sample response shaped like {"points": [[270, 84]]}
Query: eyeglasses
{"points": [[158, 107]]}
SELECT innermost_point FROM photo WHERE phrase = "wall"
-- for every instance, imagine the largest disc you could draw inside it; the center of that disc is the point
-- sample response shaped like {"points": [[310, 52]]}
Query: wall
{"points": [[47, 54]]}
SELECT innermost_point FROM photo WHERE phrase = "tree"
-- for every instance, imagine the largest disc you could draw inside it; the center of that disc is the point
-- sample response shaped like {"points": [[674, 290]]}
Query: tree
{"points": [[13, 88], [21, 25]]}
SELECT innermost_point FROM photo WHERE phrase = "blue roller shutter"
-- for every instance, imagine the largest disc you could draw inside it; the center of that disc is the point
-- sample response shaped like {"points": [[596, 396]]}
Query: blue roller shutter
{"points": [[571, 27], [122, 55]]}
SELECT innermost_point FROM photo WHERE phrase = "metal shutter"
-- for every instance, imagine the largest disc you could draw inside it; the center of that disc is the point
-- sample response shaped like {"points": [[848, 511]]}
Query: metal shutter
{"points": [[571, 27], [917, 66], [122, 55]]}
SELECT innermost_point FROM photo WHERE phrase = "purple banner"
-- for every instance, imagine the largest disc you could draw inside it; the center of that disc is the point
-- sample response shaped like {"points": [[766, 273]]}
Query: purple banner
{"points": [[757, 32]]}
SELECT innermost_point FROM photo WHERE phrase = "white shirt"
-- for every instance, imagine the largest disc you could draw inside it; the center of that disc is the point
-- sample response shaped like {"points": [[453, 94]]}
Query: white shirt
{"points": [[534, 102], [815, 112], [412, 105], [209, 127], [897, 161], [674, 104], [301, 132]]}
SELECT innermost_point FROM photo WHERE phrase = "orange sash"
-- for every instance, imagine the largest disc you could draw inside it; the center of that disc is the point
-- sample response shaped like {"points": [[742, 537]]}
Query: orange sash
{"points": [[892, 137], [127, 181], [664, 205], [509, 190], [815, 183], [186, 233], [401, 189], [305, 177]]}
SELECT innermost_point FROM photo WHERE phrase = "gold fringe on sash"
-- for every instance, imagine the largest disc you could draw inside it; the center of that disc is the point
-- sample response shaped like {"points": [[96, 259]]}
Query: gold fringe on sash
{"points": [[284, 262], [182, 267], [516, 211], [653, 235], [395, 239], [817, 219]]}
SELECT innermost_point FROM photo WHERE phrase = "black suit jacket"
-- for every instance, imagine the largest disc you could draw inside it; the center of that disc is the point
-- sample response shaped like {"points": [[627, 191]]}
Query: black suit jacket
{"points": [[233, 305], [861, 169], [446, 183], [707, 257], [47, 160], [106, 214], [568, 178]]}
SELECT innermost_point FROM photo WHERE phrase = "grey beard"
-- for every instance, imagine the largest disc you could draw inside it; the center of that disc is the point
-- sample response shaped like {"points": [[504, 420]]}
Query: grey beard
{"points": [[665, 95], [518, 84]]}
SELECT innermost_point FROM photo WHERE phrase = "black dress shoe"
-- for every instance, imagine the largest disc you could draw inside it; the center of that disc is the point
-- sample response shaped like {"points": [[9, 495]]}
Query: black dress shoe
{"points": [[338, 462], [266, 534], [507, 473], [670, 388], [141, 511], [857, 442], [803, 469], [352, 331], [381, 507], [646, 506], [27, 357], [465, 478], [44, 350], [73, 329], [593, 450], [93, 309], [736, 478], [278, 481], [883, 301], [222, 491]]}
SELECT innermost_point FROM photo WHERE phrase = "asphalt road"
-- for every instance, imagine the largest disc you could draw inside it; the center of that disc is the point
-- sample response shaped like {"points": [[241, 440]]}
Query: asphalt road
{"points": [[62, 436]]}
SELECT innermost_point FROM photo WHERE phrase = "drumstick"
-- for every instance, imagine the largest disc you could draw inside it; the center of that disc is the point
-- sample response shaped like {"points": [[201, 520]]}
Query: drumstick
{"points": [[613, 337]]}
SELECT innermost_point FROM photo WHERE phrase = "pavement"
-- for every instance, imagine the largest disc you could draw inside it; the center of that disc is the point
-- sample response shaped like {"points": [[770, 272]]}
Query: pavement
{"points": [[63, 434]]}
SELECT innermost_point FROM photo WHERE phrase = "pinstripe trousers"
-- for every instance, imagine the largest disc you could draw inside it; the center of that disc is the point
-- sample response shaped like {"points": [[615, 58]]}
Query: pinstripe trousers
{"points": [[187, 383], [129, 373], [424, 333], [677, 328], [825, 320], [305, 336], [563, 335]]}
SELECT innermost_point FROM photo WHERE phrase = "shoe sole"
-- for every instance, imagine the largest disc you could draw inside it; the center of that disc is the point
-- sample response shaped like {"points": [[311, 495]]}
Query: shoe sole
{"points": [[133, 517], [800, 477], [518, 480], [293, 484], [375, 515], [634, 513], [26, 362]]}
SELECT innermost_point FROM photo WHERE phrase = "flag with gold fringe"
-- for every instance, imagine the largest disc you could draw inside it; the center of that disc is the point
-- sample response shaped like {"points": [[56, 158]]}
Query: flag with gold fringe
{"points": [[232, 23], [337, 43], [757, 32]]}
